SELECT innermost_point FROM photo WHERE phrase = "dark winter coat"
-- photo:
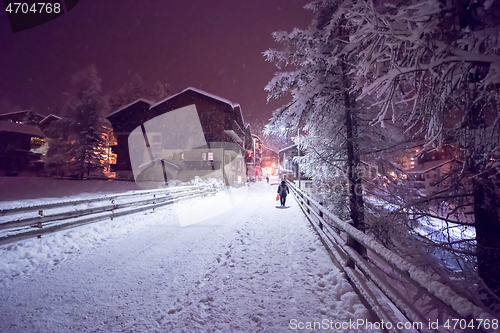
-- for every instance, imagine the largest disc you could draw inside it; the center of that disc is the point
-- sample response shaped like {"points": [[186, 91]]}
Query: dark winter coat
{"points": [[283, 189]]}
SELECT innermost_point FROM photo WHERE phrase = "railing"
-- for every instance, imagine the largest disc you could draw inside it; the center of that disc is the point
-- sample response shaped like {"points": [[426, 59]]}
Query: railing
{"points": [[451, 312], [23, 222]]}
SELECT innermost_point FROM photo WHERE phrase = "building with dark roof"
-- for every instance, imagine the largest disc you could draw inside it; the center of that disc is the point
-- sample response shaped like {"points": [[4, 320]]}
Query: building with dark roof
{"points": [[47, 121], [219, 151], [270, 161], [22, 117], [124, 121], [18, 147]]}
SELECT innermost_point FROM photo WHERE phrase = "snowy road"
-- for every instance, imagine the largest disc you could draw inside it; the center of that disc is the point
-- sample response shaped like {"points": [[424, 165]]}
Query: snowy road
{"points": [[254, 268]]}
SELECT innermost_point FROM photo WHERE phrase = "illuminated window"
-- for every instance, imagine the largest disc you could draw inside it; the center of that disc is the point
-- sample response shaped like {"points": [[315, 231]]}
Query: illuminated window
{"points": [[210, 156], [204, 156], [182, 156]]}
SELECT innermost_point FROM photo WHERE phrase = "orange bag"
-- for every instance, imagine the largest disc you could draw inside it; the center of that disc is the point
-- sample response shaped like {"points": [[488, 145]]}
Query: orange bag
{"points": [[277, 197]]}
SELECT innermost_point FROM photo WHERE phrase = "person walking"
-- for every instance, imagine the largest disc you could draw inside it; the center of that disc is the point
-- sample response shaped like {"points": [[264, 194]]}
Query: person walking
{"points": [[267, 178], [283, 191]]}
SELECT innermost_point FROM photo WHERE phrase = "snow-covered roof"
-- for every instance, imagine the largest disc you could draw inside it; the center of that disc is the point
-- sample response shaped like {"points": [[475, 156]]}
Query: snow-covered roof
{"points": [[287, 148], [428, 166], [233, 135], [130, 104], [48, 117], [8, 126], [17, 112], [199, 91], [241, 113], [269, 148]]}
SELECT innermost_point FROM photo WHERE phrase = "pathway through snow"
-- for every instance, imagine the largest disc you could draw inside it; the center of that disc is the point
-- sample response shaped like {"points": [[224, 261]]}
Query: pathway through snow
{"points": [[254, 268]]}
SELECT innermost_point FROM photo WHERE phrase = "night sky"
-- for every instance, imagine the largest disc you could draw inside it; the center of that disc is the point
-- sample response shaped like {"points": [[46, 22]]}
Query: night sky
{"points": [[213, 45]]}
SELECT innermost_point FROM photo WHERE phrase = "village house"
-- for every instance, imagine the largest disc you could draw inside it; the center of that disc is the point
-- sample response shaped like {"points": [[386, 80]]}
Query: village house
{"points": [[20, 143], [290, 170], [254, 167], [427, 170], [270, 160], [192, 133]]}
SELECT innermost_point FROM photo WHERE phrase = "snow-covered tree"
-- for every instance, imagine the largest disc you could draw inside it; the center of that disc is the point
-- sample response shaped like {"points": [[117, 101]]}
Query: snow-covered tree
{"points": [[434, 67], [78, 141], [59, 155], [323, 117]]}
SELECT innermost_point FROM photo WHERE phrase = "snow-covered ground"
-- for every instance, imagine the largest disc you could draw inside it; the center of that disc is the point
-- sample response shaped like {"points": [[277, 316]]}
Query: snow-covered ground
{"points": [[32, 188], [252, 268]]}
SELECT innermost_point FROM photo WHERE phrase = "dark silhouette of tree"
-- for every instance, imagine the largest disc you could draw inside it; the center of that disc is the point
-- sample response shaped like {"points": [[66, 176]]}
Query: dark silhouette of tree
{"points": [[135, 89]]}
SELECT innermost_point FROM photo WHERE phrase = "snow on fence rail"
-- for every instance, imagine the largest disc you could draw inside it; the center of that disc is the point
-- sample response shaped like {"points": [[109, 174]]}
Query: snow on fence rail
{"points": [[454, 311], [27, 221]]}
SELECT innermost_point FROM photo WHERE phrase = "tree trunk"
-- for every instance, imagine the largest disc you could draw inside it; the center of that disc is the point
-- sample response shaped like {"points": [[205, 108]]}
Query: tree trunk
{"points": [[487, 224], [355, 192], [486, 210]]}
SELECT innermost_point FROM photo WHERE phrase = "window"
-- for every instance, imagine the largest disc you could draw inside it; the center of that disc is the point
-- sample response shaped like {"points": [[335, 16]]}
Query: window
{"points": [[204, 156], [182, 156], [210, 156]]}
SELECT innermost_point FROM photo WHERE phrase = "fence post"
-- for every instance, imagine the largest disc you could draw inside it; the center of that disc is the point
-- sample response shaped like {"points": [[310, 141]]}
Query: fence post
{"points": [[40, 214], [320, 215], [349, 242]]}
